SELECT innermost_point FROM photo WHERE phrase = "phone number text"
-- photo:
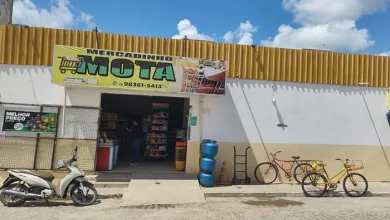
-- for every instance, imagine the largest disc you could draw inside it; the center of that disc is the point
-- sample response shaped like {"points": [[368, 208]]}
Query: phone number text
{"points": [[140, 85]]}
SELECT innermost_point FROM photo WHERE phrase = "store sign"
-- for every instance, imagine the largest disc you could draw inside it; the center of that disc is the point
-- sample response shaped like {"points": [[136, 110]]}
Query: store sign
{"points": [[38, 122], [126, 70]]}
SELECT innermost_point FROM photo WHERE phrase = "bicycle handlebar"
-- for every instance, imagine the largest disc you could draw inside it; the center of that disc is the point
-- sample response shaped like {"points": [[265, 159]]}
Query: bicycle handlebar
{"points": [[274, 155], [346, 160]]}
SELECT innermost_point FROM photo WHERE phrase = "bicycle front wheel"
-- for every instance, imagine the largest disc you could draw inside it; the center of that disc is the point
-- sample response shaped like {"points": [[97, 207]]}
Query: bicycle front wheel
{"points": [[301, 170], [266, 173], [314, 185], [355, 185]]}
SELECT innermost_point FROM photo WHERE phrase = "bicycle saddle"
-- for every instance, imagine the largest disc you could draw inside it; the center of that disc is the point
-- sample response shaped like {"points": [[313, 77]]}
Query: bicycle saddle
{"points": [[296, 157]]}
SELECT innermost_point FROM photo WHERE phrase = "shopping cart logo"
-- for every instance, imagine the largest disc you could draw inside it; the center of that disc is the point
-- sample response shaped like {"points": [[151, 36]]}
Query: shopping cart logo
{"points": [[69, 63]]}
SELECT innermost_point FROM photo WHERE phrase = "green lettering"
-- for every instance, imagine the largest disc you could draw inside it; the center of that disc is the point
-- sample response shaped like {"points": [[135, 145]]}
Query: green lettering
{"points": [[122, 68], [145, 68], [98, 65], [164, 71]]}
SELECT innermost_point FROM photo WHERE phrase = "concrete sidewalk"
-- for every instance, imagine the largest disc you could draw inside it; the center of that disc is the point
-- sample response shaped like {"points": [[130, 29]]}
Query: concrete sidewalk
{"points": [[116, 189], [150, 189], [284, 190], [375, 189]]}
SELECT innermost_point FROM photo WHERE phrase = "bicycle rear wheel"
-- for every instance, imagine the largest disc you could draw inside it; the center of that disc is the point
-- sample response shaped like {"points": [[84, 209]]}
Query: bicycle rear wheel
{"points": [[316, 180], [357, 180], [301, 170], [266, 173]]}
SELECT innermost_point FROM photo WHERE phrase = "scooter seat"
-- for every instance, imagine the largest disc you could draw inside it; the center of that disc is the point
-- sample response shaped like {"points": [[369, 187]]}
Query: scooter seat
{"points": [[44, 175]]}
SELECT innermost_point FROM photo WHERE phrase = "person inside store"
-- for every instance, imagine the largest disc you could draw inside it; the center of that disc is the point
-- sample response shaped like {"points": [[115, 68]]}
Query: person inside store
{"points": [[136, 135]]}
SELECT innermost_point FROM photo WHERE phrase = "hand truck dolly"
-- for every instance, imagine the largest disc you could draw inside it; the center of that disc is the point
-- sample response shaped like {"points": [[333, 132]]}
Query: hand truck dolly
{"points": [[247, 179]]}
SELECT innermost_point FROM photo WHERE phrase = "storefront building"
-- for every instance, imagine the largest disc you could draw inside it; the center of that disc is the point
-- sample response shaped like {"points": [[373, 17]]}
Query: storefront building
{"points": [[314, 104]]}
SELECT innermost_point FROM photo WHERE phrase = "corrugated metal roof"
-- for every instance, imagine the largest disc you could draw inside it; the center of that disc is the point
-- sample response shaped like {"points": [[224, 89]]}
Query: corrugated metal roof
{"points": [[34, 46]]}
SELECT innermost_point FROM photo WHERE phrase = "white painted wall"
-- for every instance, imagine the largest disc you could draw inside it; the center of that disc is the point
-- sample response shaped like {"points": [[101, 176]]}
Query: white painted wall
{"points": [[29, 84], [32, 85], [314, 113]]}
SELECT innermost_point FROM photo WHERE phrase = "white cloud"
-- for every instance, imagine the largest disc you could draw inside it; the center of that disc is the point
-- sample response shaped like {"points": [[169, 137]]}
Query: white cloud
{"points": [[185, 28], [58, 15], [242, 35], [228, 37], [341, 35], [88, 20], [326, 11], [326, 22], [386, 53]]}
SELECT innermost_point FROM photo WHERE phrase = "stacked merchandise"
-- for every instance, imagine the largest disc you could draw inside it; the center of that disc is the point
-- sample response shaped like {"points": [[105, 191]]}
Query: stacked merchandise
{"points": [[158, 136], [181, 135], [180, 155], [207, 164], [108, 126]]}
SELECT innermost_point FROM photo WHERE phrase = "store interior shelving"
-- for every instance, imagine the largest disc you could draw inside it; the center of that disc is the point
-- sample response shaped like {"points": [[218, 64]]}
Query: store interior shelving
{"points": [[158, 136]]}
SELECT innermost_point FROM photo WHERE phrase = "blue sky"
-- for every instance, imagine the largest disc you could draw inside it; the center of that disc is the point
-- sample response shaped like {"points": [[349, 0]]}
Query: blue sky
{"points": [[357, 26]]}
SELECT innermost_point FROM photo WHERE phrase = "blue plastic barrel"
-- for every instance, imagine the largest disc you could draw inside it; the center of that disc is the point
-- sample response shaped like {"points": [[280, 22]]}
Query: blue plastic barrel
{"points": [[210, 149], [206, 141], [207, 165], [206, 179]]}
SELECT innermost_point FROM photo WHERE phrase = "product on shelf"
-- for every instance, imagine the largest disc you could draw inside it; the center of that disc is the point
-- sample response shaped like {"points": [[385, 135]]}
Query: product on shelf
{"points": [[108, 126], [157, 138]]}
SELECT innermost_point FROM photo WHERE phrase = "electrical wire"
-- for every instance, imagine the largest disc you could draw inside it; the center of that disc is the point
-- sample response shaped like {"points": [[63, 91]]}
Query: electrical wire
{"points": [[24, 13]]}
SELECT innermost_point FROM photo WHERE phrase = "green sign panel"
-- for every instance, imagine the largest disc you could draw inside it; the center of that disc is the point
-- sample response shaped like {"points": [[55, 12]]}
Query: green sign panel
{"points": [[193, 120]]}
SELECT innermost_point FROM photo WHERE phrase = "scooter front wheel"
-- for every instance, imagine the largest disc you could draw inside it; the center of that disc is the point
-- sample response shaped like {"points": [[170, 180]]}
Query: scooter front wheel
{"points": [[79, 194]]}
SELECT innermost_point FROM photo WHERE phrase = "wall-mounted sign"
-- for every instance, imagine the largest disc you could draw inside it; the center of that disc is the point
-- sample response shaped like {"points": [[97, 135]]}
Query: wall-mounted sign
{"points": [[193, 121], [38, 122], [127, 70]]}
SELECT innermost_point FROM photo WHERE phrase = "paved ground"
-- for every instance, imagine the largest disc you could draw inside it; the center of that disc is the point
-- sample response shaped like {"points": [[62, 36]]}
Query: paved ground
{"points": [[149, 189], [215, 208], [282, 190]]}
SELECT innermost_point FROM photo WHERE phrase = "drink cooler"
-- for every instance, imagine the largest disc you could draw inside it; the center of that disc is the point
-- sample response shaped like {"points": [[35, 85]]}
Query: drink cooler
{"points": [[107, 156]]}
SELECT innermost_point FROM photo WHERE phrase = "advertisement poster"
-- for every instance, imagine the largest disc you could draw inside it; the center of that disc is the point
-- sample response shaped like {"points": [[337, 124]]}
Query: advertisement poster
{"points": [[30, 122], [127, 70]]}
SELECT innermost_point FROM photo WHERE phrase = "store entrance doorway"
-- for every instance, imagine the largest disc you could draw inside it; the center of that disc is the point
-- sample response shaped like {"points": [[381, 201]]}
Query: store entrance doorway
{"points": [[145, 129]]}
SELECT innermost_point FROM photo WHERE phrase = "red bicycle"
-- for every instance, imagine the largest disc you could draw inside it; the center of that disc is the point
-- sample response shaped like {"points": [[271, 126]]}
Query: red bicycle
{"points": [[272, 169]]}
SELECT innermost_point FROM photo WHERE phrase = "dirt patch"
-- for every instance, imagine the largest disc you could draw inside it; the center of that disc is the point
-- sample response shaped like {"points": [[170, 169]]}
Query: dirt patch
{"points": [[273, 202]]}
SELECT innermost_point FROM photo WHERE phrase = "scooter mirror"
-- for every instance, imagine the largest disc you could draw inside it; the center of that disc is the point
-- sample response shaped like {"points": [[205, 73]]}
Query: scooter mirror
{"points": [[76, 148]]}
